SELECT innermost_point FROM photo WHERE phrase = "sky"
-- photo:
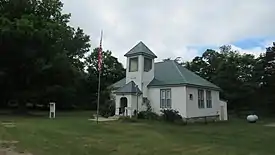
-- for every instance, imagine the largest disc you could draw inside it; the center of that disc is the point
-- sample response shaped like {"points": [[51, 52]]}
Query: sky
{"points": [[177, 28]]}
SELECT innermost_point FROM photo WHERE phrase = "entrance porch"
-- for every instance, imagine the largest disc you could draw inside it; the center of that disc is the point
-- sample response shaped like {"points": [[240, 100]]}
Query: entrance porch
{"points": [[128, 99]]}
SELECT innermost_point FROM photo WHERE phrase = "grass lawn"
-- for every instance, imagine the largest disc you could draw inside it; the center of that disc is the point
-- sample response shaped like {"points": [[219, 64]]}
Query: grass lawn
{"points": [[74, 135]]}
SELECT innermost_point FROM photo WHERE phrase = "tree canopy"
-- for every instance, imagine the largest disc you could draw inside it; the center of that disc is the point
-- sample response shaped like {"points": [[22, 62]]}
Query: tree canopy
{"points": [[44, 59], [247, 81]]}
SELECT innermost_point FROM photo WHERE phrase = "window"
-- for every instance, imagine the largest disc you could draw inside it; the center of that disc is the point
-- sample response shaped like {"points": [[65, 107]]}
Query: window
{"points": [[190, 96], [147, 64], [162, 99], [165, 98], [200, 99], [208, 99], [133, 64], [168, 99]]}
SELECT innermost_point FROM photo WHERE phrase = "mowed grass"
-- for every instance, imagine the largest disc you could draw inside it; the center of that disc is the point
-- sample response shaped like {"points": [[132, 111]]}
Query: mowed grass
{"points": [[73, 134]]}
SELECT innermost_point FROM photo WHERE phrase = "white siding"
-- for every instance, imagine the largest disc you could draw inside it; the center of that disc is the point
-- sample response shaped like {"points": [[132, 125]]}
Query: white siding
{"points": [[192, 105], [135, 76], [134, 103], [131, 103], [118, 97], [141, 78], [147, 78], [178, 99], [223, 111]]}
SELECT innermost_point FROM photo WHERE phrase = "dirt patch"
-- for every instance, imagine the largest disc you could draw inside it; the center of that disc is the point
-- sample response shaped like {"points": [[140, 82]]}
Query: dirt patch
{"points": [[11, 152], [8, 143], [8, 147], [8, 125], [102, 119], [270, 125]]}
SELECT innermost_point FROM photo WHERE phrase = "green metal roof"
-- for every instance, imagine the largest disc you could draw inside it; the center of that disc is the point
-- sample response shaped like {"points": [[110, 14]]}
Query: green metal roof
{"points": [[140, 49], [118, 84], [170, 73], [129, 88]]}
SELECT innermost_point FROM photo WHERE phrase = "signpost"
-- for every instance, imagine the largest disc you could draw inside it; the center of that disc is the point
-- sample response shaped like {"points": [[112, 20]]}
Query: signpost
{"points": [[52, 110]]}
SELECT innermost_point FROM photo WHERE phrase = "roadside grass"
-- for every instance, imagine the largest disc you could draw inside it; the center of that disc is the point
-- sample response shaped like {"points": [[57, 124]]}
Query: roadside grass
{"points": [[72, 133]]}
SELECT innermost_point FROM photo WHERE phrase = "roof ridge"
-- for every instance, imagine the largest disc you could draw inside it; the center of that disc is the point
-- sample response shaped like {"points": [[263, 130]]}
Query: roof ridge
{"points": [[159, 62], [140, 48], [193, 73], [145, 46], [163, 61], [196, 75], [176, 65]]}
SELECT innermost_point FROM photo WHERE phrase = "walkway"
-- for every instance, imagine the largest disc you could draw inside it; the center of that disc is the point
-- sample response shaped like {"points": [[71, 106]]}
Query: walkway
{"points": [[103, 119]]}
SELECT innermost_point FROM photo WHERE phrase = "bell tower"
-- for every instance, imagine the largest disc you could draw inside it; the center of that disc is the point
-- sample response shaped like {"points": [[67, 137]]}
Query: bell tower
{"points": [[140, 66]]}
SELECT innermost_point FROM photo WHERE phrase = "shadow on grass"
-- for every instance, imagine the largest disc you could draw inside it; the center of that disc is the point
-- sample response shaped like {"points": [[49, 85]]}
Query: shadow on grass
{"points": [[44, 114]]}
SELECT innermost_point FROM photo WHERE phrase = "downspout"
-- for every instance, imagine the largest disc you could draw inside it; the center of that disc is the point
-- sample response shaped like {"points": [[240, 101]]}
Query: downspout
{"points": [[137, 97]]}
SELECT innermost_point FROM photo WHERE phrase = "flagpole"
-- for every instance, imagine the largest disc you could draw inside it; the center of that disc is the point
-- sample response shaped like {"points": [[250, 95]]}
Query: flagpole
{"points": [[98, 97], [99, 74]]}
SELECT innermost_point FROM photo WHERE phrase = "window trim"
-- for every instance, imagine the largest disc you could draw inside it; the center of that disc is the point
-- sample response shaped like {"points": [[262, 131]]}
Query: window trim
{"points": [[150, 65], [130, 64], [165, 104], [201, 102], [209, 99]]}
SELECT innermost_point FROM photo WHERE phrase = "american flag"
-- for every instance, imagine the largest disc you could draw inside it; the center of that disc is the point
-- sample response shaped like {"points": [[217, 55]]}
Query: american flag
{"points": [[99, 69], [100, 54]]}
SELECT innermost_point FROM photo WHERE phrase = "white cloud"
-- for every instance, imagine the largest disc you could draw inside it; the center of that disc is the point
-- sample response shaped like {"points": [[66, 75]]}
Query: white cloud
{"points": [[168, 28], [254, 51], [268, 43]]}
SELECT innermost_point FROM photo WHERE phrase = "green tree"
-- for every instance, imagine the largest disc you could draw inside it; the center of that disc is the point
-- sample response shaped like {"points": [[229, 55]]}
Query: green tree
{"points": [[231, 71], [268, 79], [112, 71], [40, 53]]}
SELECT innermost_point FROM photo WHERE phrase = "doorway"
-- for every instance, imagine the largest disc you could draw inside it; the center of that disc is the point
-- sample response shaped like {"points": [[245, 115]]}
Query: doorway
{"points": [[123, 105]]}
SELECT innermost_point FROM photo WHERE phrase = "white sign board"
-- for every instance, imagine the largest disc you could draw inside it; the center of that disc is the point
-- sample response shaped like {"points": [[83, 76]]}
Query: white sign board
{"points": [[52, 110]]}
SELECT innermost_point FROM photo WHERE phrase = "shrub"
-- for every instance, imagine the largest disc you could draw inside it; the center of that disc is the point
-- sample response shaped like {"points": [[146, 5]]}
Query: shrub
{"points": [[128, 119], [141, 115], [180, 122], [170, 115], [107, 109], [148, 115], [146, 102], [135, 113]]}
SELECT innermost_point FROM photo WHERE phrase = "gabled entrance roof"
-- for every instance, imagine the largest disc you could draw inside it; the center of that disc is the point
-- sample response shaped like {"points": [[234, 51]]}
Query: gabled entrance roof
{"points": [[129, 88]]}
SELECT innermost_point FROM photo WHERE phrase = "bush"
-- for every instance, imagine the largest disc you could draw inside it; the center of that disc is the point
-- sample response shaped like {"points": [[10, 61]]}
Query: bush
{"points": [[128, 119], [141, 115], [146, 102], [170, 115], [180, 122], [148, 115], [107, 109]]}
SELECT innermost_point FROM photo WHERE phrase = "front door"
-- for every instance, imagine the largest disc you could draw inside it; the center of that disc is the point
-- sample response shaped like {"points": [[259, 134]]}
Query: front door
{"points": [[123, 106]]}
